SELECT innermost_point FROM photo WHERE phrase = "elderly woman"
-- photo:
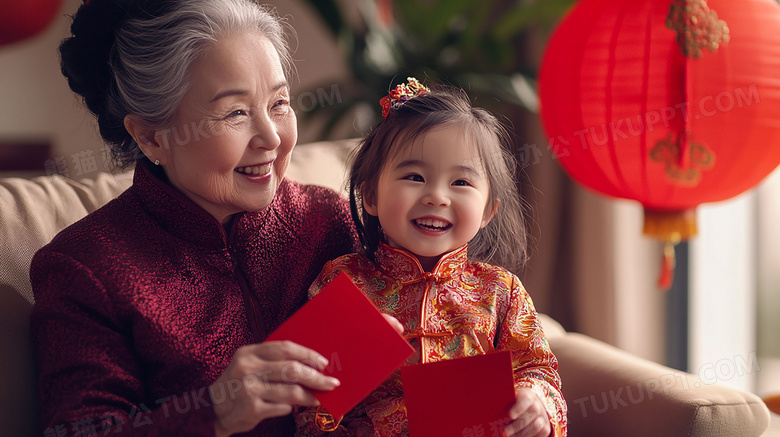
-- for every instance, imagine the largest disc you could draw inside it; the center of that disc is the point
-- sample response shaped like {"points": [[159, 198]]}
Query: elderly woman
{"points": [[150, 313]]}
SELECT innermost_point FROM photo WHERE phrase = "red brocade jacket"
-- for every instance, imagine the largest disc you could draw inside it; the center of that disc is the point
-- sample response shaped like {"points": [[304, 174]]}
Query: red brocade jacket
{"points": [[459, 309], [140, 306]]}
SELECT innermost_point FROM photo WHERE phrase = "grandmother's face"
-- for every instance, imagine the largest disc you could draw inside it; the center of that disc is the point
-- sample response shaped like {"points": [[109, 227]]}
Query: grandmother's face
{"points": [[230, 144]]}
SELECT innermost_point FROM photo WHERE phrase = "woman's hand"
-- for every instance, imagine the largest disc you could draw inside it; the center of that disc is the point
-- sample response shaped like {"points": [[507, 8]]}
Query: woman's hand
{"points": [[265, 380], [529, 416]]}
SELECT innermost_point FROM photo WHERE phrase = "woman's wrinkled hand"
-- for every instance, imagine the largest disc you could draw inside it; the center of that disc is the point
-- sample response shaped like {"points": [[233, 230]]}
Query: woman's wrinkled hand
{"points": [[529, 416], [265, 380]]}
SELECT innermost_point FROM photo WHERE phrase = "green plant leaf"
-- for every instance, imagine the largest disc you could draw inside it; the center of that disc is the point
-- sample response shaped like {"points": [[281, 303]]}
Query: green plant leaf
{"points": [[330, 13], [539, 12], [472, 44]]}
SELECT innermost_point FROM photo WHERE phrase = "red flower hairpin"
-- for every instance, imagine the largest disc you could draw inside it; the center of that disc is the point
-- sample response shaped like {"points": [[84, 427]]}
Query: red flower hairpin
{"points": [[398, 96]]}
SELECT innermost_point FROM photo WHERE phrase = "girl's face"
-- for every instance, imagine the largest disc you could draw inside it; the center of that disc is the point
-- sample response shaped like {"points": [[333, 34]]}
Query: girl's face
{"points": [[230, 144], [431, 199]]}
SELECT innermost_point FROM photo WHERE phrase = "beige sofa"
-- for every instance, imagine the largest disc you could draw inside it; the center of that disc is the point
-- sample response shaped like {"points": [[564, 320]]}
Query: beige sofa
{"points": [[609, 392]]}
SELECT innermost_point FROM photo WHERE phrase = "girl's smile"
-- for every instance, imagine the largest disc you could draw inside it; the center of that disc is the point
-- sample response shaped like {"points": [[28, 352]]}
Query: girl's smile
{"points": [[432, 198], [432, 224]]}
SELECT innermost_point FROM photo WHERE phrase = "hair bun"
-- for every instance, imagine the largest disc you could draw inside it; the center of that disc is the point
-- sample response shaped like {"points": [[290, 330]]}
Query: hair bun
{"points": [[84, 57]]}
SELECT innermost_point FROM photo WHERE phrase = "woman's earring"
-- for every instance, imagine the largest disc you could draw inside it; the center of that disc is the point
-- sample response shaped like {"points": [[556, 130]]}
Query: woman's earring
{"points": [[156, 162]]}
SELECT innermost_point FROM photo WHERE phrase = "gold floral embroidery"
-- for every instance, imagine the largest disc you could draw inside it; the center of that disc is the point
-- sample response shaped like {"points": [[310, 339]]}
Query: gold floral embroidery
{"points": [[667, 152], [698, 27]]}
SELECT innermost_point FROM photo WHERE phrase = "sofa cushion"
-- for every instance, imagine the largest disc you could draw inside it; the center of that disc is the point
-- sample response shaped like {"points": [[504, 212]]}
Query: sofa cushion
{"points": [[324, 163], [33, 211]]}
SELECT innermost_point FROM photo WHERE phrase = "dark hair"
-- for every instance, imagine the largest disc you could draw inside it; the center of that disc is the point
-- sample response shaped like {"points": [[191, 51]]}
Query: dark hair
{"points": [[133, 56], [504, 240]]}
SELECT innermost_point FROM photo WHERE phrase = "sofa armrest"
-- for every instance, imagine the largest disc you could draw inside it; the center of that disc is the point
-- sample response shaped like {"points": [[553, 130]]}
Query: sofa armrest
{"points": [[551, 327], [613, 393]]}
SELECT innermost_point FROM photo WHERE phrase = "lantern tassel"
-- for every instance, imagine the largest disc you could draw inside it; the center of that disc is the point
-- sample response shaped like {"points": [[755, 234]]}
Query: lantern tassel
{"points": [[668, 262]]}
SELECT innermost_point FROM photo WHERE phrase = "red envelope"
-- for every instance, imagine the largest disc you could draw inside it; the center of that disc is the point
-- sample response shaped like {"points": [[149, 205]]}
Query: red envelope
{"points": [[462, 397], [344, 326]]}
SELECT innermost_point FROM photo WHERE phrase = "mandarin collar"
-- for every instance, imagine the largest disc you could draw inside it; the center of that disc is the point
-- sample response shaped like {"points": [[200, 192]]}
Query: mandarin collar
{"points": [[179, 215], [404, 266]]}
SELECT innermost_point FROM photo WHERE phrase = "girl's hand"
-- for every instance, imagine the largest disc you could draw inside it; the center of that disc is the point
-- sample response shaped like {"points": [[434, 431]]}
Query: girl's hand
{"points": [[265, 380], [529, 416], [395, 323]]}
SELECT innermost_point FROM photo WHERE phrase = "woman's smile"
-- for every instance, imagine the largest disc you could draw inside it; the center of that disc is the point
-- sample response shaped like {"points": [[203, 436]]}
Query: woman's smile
{"points": [[258, 170]]}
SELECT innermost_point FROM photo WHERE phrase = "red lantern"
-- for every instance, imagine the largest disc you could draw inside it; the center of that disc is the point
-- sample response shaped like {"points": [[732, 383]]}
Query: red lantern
{"points": [[20, 19], [671, 103]]}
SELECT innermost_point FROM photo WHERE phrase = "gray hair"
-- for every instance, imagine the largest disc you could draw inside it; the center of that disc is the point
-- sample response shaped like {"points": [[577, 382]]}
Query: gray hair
{"points": [[152, 56]]}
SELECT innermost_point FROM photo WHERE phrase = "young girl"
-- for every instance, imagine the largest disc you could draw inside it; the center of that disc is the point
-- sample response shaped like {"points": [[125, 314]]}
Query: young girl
{"points": [[434, 200]]}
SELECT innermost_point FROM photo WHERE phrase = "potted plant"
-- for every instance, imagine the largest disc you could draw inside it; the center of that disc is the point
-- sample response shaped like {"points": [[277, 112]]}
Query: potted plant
{"points": [[484, 47]]}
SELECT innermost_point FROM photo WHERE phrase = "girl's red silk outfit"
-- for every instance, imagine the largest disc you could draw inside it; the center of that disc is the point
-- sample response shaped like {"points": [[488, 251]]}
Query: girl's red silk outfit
{"points": [[458, 309]]}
